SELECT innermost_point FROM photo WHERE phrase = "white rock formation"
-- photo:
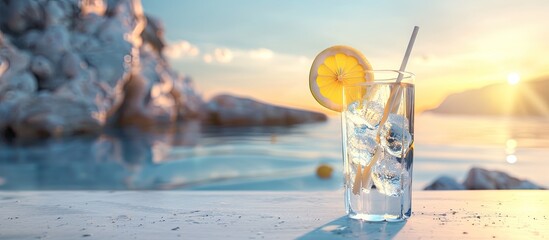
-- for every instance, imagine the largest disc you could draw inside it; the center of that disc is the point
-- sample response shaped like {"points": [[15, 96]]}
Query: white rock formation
{"points": [[74, 66]]}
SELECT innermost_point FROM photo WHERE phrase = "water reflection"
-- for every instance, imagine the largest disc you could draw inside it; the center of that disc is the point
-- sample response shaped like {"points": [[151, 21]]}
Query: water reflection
{"points": [[510, 149], [191, 156], [188, 156], [107, 161], [484, 131], [511, 145], [511, 158]]}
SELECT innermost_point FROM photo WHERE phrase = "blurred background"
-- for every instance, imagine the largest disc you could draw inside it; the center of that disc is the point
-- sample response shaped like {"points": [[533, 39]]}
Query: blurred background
{"points": [[265, 50], [482, 92]]}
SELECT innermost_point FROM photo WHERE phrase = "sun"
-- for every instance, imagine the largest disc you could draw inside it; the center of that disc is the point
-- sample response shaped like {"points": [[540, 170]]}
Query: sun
{"points": [[513, 78]]}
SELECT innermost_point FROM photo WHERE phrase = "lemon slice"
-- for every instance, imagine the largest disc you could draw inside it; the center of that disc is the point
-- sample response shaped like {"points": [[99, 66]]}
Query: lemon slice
{"points": [[332, 68]]}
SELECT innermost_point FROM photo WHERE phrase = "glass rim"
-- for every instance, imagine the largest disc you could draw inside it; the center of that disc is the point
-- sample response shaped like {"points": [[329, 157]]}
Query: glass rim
{"points": [[391, 77]]}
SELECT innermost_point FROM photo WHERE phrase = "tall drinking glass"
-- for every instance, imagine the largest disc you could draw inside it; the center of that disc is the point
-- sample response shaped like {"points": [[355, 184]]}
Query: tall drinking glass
{"points": [[378, 136]]}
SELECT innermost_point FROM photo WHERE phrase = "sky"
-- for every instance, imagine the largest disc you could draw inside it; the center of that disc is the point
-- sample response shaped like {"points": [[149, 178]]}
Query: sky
{"points": [[264, 49]]}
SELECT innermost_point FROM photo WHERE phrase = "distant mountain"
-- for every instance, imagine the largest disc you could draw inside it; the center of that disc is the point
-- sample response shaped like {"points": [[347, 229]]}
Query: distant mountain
{"points": [[524, 99]]}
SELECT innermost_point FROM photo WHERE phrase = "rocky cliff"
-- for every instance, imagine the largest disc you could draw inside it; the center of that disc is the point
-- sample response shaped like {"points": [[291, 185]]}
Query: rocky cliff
{"points": [[75, 66]]}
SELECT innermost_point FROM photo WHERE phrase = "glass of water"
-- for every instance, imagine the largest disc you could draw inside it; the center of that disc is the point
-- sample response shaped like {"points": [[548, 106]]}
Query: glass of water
{"points": [[378, 136]]}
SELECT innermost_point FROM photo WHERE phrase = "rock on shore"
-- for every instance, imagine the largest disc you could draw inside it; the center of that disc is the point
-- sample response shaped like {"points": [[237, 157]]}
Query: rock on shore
{"points": [[76, 66], [236, 111], [445, 183], [482, 179]]}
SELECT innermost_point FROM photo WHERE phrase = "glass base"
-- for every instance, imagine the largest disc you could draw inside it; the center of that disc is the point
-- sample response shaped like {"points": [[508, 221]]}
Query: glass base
{"points": [[377, 218], [373, 206]]}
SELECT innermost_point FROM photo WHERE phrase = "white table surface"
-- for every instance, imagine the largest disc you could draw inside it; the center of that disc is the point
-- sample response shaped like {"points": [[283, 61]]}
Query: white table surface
{"points": [[265, 215]]}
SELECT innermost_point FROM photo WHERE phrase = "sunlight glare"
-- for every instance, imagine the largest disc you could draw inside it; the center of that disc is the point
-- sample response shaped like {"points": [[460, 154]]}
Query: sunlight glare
{"points": [[511, 147], [511, 159], [513, 78]]}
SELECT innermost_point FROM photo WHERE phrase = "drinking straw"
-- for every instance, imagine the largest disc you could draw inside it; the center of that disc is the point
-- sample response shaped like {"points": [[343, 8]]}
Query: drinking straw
{"points": [[391, 106], [408, 52], [394, 97]]}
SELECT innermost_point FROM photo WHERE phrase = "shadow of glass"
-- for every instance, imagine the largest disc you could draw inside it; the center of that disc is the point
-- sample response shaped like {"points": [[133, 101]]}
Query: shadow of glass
{"points": [[346, 228]]}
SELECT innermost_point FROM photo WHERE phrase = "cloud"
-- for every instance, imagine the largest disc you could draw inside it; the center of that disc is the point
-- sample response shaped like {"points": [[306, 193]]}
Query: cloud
{"points": [[262, 54], [219, 55], [252, 57], [234, 56], [181, 49], [223, 55], [207, 58]]}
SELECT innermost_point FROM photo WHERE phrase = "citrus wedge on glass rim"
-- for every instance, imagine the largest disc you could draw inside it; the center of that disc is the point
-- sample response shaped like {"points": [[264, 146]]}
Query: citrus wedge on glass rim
{"points": [[332, 68]]}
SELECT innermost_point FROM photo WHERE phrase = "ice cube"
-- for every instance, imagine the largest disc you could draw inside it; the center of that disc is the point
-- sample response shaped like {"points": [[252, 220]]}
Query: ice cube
{"points": [[364, 114], [354, 114], [389, 176], [361, 147], [373, 114], [395, 135], [354, 108]]}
